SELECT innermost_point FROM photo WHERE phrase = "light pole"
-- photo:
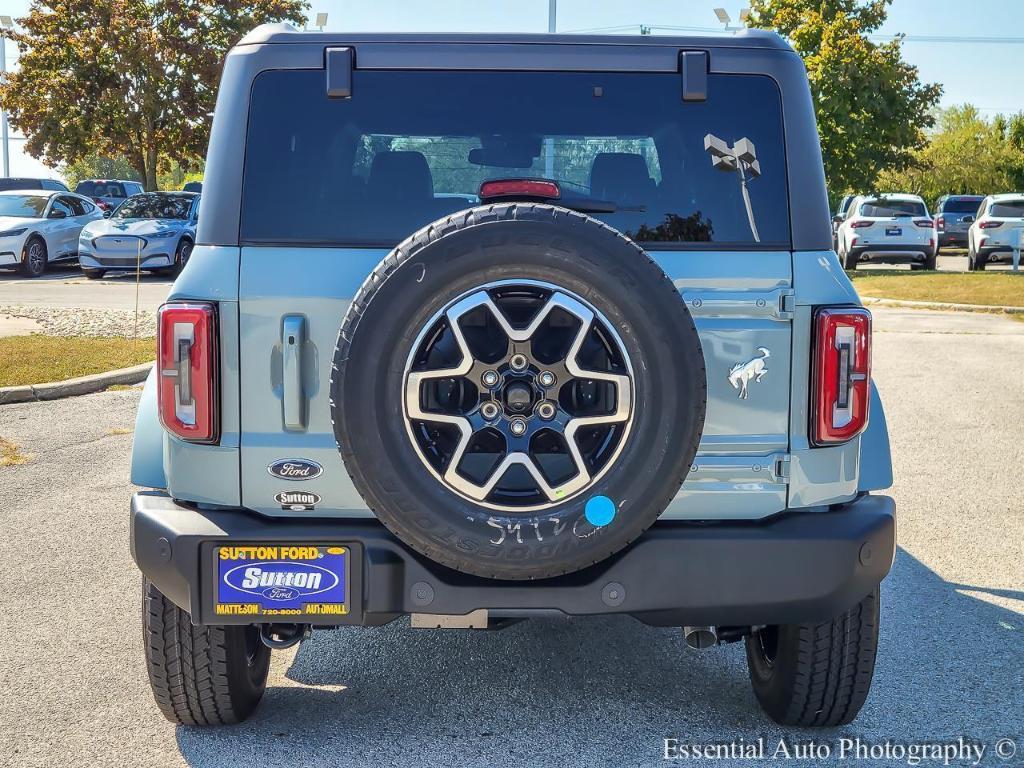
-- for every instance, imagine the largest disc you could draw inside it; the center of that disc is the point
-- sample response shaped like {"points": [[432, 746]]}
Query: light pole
{"points": [[552, 14], [6, 24]]}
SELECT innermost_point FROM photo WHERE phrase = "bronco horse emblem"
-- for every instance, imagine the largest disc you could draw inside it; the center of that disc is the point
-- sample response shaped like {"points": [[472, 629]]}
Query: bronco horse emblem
{"points": [[741, 373]]}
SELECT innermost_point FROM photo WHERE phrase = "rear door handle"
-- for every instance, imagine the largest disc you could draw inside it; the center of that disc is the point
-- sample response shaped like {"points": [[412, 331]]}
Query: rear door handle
{"points": [[293, 337]]}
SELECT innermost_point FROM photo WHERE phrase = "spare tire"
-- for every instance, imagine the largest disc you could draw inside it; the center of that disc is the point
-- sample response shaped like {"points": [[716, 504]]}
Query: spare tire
{"points": [[518, 391]]}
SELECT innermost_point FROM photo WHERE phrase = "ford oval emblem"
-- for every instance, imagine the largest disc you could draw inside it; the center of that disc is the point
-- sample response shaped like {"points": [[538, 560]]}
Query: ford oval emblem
{"points": [[280, 593], [295, 469]]}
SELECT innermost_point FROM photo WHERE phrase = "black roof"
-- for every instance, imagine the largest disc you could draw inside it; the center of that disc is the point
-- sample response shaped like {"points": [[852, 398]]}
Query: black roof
{"points": [[745, 38]]}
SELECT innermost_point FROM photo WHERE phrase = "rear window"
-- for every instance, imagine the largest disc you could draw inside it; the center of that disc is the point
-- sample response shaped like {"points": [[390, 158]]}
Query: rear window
{"points": [[411, 147], [1010, 209], [884, 208], [960, 205], [16, 183], [101, 189]]}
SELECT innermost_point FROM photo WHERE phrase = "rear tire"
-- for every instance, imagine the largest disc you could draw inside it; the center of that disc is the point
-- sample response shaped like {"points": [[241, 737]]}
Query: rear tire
{"points": [[201, 675], [93, 274], [816, 675], [850, 261], [34, 257], [930, 261]]}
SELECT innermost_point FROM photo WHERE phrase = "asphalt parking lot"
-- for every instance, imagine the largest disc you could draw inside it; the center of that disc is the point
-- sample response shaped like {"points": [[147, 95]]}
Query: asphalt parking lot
{"points": [[66, 286], [549, 693]]}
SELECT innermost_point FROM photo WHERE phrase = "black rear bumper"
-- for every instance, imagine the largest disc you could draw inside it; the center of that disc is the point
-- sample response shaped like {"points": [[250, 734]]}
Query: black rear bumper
{"points": [[794, 568]]}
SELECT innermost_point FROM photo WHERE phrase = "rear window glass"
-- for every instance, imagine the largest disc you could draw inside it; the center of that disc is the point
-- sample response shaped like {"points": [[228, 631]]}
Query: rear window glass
{"points": [[961, 206], [893, 208], [15, 183], [1008, 208], [411, 147], [101, 189]]}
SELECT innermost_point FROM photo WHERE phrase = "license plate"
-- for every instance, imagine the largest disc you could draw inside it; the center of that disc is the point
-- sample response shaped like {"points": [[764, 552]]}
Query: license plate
{"points": [[893, 231], [282, 580]]}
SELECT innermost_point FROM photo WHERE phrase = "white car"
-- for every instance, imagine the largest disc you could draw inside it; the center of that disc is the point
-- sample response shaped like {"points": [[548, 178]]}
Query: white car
{"points": [[996, 231], [39, 227], [892, 228]]}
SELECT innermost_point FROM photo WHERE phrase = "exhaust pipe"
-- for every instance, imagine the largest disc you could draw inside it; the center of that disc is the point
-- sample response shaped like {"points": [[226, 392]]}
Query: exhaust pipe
{"points": [[700, 638]]}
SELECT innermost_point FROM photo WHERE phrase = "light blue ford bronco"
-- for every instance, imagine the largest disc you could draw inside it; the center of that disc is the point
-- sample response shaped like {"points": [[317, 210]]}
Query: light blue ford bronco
{"points": [[484, 328]]}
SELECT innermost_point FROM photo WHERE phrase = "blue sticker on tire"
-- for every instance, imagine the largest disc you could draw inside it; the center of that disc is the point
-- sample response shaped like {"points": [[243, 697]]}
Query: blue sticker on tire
{"points": [[286, 580], [599, 511]]}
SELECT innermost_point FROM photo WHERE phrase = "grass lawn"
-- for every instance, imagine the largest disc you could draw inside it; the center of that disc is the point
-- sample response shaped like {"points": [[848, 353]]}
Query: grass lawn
{"points": [[1004, 289], [38, 359]]}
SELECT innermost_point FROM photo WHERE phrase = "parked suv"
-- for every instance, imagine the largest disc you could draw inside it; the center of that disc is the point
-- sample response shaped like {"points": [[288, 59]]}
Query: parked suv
{"points": [[109, 193], [996, 231], [953, 217], [840, 215], [153, 231], [892, 228], [483, 363]]}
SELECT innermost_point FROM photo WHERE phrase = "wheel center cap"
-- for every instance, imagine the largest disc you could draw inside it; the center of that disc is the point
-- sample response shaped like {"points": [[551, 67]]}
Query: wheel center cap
{"points": [[518, 397]]}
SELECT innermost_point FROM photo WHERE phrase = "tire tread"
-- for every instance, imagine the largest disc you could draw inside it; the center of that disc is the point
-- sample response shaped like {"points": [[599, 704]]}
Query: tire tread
{"points": [[187, 664]]}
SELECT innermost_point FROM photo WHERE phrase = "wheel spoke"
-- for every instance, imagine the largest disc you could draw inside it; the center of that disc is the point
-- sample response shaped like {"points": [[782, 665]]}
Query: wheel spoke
{"points": [[553, 493]]}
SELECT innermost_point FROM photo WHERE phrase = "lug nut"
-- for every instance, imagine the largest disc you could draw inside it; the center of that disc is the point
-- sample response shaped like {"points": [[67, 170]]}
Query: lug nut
{"points": [[547, 379], [518, 427], [490, 378], [546, 411], [489, 410], [518, 362]]}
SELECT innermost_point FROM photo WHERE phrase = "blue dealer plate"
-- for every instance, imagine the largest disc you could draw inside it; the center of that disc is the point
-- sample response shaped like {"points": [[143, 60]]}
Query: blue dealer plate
{"points": [[282, 580], [894, 231]]}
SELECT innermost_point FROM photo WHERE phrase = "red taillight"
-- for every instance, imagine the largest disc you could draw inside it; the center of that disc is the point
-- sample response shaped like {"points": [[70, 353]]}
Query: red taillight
{"points": [[186, 359], [923, 223], [940, 222], [842, 374], [858, 223], [990, 224], [521, 187]]}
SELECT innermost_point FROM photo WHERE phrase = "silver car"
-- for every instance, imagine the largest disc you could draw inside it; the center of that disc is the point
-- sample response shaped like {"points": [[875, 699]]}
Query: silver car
{"points": [[154, 231]]}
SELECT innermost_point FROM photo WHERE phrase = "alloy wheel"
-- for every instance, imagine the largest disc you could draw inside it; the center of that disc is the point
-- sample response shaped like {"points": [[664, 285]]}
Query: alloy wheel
{"points": [[518, 395]]}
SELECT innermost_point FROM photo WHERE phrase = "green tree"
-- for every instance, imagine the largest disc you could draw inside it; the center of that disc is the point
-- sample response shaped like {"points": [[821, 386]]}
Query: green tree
{"points": [[132, 78], [93, 166], [966, 155], [872, 108]]}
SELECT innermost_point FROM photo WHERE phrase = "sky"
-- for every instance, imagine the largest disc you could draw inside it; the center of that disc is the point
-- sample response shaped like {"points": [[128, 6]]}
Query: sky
{"points": [[982, 71]]}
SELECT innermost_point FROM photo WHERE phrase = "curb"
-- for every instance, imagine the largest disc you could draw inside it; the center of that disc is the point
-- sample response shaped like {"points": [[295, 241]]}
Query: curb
{"points": [[942, 305], [83, 385]]}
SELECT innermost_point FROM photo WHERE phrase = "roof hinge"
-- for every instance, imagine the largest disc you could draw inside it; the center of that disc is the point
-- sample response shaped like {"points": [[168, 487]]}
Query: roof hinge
{"points": [[693, 65], [339, 72]]}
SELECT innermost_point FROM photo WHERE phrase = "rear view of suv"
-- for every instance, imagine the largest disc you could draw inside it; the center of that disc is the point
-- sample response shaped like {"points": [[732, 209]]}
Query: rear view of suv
{"points": [[491, 363], [997, 230], [108, 193], [893, 228], [953, 217]]}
